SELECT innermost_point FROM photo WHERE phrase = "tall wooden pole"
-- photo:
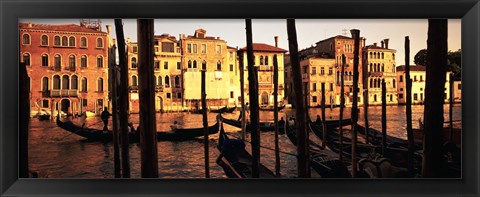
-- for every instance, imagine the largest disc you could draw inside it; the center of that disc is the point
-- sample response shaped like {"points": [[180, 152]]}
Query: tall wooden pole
{"points": [[300, 122], [253, 95], [123, 98], [205, 126], [116, 136], [242, 93], [450, 111], [24, 120], [275, 114], [408, 82], [356, 36], [342, 104], [146, 92], [365, 95], [434, 97], [324, 118], [384, 117]]}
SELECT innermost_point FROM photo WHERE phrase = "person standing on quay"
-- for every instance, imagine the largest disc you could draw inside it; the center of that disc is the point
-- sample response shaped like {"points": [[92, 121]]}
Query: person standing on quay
{"points": [[105, 115]]}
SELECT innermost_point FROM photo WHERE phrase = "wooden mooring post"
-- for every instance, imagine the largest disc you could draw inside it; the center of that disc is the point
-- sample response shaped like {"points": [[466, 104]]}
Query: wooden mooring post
{"points": [[301, 119], [253, 96], [342, 104], [384, 116], [450, 106], [146, 93], [123, 99], [205, 126], [408, 98], [275, 114], [114, 85], [434, 98], [356, 36], [24, 120], [242, 94], [365, 74], [324, 118]]}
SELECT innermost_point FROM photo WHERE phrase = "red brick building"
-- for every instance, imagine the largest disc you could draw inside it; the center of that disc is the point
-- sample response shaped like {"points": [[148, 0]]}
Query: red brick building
{"points": [[67, 65]]}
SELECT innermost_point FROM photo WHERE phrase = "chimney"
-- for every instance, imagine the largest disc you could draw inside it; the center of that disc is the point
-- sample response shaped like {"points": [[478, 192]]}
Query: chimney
{"points": [[128, 40], [364, 40], [382, 44], [375, 44], [218, 38], [276, 41], [386, 42], [29, 24], [109, 28]]}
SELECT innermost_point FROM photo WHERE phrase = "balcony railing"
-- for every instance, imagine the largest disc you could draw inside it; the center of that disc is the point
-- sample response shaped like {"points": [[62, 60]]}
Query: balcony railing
{"points": [[64, 93], [56, 68]]}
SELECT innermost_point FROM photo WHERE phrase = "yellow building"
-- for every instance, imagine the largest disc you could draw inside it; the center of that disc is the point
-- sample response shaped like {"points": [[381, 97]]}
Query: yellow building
{"points": [[201, 52], [380, 61], [264, 61], [418, 76]]}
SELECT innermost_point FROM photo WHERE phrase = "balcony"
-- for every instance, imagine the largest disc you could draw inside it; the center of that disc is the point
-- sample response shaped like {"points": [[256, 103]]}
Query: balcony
{"points": [[159, 88], [64, 93], [56, 68], [265, 68], [45, 93]]}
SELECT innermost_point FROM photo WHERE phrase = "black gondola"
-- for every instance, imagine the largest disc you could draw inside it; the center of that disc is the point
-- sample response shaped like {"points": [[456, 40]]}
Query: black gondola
{"points": [[224, 110], [271, 108], [99, 135], [235, 160], [44, 117], [264, 126]]}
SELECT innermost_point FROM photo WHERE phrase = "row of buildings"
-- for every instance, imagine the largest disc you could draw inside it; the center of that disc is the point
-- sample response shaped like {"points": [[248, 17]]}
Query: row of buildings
{"points": [[68, 66]]}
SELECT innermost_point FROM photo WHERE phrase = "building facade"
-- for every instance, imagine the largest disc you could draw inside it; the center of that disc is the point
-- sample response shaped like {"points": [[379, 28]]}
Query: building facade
{"points": [[418, 76], [263, 58], [67, 66], [380, 66]]}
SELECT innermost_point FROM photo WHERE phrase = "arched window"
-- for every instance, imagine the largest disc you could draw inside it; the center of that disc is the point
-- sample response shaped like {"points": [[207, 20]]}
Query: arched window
{"points": [[393, 56], [72, 62], [26, 59], [65, 82], [83, 42], [167, 81], [83, 61], [189, 63], [204, 65], [44, 40], [383, 67], [57, 61], [45, 60], [383, 55], [99, 43], [266, 60], [371, 67], [84, 84], [100, 85], [134, 81], [71, 41], [371, 56], [177, 81], [56, 82], [394, 84], [100, 62], [219, 66], [391, 97], [375, 97], [64, 41], [261, 60], [371, 83], [56, 41], [194, 63], [74, 85], [378, 67], [134, 62], [350, 76], [159, 81], [45, 84], [26, 39]]}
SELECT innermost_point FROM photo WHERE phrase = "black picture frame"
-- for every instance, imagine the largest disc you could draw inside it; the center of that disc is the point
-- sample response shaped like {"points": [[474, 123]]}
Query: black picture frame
{"points": [[11, 11]]}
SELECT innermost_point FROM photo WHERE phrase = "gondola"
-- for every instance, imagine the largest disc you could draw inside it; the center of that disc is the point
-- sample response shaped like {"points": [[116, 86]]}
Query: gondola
{"points": [[99, 135], [376, 138], [44, 117], [271, 108], [263, 126], [235, 160], [224, 110], [335, 123], [323, 161]]}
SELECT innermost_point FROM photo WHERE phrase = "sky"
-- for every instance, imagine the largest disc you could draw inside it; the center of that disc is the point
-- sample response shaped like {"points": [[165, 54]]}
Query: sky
{"points": [[309, 31]]}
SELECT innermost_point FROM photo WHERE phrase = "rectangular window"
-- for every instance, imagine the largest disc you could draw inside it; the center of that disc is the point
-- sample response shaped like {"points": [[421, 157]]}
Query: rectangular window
{"points": [[44, 60], [314, 87], [179, 95], [157, 65], [179, 65], [156, 50], [322, 71], [45, 103], [204, 48], [314, 70], [100, 103], [400, 96], [84, 102], [219, 49], [231, 94], [169, 95], [165, 65], [421, 78], [459, 86], [415, 96], [189, 48], [401, 89], [330, 71], [331, 86], [135, 49], [231, 67], [421, 96], [314, 99], [401, 78], [194, 48], [305, 69], [168, 47]]}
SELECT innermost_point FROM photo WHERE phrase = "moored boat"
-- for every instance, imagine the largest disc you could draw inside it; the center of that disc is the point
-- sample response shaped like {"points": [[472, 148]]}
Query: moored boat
{"points": [[271, 108]]}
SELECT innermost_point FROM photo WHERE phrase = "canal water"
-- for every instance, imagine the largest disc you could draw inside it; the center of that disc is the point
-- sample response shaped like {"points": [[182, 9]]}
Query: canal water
{"points": [[56, 153]]}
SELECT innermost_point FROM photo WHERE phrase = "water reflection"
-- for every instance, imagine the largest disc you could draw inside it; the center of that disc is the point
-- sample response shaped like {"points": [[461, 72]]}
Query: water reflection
{"points": [[55, 153]]}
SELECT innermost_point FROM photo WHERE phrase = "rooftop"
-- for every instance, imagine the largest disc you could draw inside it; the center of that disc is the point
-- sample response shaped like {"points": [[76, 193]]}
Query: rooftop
{"points": [[66, 28], [265, 47], [335, 37], [412, 68]]}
